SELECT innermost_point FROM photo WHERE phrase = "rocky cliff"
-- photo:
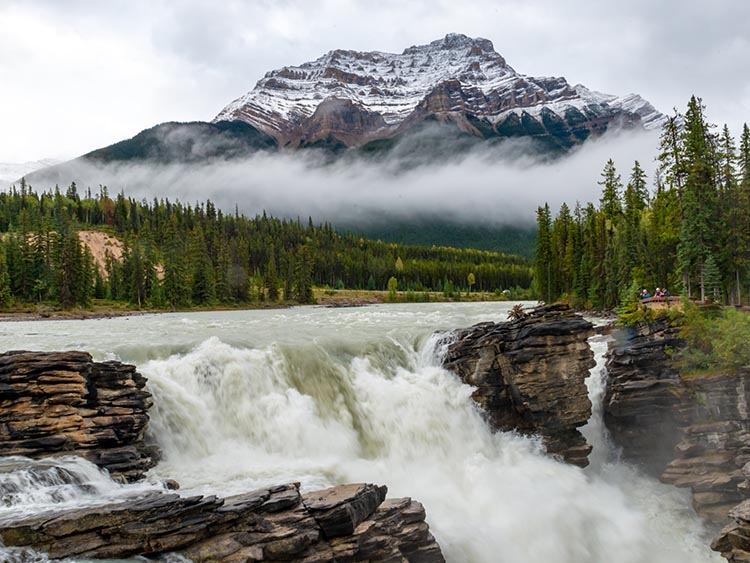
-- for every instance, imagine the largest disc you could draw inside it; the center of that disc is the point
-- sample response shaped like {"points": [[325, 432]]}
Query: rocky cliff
{"points": [[692, 431], [346, 523], [530, 375], [642, 396], [353, 98], [65, 403]]}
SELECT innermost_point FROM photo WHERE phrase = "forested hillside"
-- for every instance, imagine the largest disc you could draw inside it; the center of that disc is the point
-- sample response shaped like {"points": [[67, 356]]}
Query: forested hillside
{"points": [[176, 255], [691, 235]]}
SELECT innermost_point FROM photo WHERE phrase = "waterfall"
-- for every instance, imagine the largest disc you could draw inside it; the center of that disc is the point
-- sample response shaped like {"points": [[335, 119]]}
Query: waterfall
{"points": [[247, 399], [386, 412]]}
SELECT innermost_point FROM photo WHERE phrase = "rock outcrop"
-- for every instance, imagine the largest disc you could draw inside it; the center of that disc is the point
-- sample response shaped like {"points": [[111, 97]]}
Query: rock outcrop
{"points": [[691, 431], [530, 375], [642, 394], [345, 524], [733, 542], [55, 403], [712, 457]]}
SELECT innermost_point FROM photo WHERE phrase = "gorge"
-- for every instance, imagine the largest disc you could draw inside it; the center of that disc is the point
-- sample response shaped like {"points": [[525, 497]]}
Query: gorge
{"points": [[242, 403]]}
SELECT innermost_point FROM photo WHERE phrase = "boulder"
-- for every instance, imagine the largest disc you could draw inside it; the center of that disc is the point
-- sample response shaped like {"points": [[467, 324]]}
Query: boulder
{"points": [[530, 374]]}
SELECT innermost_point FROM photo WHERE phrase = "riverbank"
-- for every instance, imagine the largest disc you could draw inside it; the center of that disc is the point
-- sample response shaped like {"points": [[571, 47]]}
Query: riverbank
{"points": [[323, 297]]}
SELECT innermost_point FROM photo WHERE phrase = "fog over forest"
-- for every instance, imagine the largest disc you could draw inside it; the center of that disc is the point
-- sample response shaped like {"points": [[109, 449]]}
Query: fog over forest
{"points": [[488, 185]]}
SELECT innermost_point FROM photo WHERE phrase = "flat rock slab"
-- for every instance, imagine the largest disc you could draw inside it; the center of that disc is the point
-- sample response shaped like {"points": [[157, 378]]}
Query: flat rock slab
{"points": [[345, 523]]}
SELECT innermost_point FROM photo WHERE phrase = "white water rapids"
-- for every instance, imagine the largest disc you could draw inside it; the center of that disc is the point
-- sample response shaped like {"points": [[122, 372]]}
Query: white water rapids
{"points": [[327, 396]]}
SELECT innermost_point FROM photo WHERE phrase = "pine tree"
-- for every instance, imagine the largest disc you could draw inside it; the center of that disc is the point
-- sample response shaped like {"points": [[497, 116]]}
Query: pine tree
{"points": [[5, 293], [610, 203], [671, 155], [636, 200], [699, 201], [271, 278], [543, 277], [302, 290]]}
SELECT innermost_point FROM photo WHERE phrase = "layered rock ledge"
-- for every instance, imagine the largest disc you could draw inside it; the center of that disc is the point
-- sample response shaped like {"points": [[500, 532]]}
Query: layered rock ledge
{"points": [[341, 524], [643, 394], [55, 403], [530, 375], [691, 431]]}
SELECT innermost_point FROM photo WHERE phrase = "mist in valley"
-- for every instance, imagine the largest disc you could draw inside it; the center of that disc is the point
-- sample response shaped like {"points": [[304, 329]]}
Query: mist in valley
{"points": [[477, 183]]}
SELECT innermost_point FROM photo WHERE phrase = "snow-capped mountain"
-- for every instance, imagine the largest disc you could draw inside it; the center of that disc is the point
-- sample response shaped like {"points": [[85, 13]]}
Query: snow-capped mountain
{"points": [[353, 97]]}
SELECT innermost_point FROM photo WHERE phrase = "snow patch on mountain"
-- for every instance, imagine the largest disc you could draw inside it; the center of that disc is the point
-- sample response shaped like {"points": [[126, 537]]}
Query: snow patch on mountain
{"points": [[393, 86]]}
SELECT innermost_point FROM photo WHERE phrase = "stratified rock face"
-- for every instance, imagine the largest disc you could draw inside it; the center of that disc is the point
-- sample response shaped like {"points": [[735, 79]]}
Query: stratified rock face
{"points": [[692, 431], [643, 394], [733, 542], [457, 79], [530, 375], [65, 403], [713, 456], [346, 523]]}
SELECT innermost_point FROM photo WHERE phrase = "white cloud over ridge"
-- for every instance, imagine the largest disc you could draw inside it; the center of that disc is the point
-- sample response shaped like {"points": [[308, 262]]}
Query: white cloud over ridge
{"points": [[484, 186]]}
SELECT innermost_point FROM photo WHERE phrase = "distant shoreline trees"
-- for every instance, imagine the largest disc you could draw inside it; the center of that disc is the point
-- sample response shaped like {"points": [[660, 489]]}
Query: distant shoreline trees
{"points": [[178, 256]]}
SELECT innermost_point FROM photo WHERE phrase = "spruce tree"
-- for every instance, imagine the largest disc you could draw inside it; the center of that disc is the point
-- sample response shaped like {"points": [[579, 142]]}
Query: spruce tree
{"points": [[271, 279], [611, 183], [699, 202], [5, 293], [543, 261]]}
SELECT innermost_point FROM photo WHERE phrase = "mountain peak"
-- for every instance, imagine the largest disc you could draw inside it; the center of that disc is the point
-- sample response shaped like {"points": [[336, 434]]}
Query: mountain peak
{"points": [[457, 79], [454, 41]]}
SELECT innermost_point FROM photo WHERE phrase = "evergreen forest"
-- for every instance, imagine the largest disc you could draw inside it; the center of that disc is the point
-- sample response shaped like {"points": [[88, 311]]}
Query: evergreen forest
{"points": [[176, 256], [690, 233]]}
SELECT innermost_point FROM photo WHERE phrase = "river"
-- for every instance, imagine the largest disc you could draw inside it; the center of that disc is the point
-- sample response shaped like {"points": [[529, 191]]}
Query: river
{"points": [[327, 396]]}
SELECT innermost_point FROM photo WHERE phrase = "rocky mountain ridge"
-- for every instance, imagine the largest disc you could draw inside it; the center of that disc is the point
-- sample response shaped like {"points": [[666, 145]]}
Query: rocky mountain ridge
{"points": [[353, 98]]}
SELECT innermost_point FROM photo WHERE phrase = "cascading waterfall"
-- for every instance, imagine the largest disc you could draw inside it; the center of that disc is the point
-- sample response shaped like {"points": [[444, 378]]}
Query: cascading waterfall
{"points": [[38, 486], [326, 397], [34, 486], [234, 419]]}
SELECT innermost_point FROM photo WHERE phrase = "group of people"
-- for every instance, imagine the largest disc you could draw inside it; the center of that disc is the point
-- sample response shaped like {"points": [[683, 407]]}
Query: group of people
{"points": [[658, 293]]}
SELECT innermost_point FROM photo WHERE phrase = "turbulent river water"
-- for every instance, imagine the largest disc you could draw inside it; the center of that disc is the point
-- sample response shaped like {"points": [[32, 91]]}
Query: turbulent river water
{"points": [[327, 396]]}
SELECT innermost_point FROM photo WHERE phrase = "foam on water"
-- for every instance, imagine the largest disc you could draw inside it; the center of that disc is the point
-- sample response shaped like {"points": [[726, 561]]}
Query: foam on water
{"points": [[232, 419], [319, 396]]}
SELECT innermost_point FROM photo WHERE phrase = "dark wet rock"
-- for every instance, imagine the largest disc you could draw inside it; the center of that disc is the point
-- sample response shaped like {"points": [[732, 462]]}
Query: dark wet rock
{"points": [[54, 403], [643, 394], [530, 375], [345, 523], [691, 431]]}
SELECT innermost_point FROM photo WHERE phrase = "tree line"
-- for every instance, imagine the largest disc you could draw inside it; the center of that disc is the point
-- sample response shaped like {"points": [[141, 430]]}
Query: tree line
{"points": [[178, 255], [691, 235]]}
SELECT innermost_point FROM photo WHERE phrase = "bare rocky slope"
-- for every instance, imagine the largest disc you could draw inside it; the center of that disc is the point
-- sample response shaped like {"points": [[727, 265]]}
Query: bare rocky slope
{"points": [[351, 98]]}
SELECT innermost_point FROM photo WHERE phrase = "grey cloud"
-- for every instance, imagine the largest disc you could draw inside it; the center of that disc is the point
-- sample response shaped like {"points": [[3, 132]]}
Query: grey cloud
{"points": [[480, 187]]}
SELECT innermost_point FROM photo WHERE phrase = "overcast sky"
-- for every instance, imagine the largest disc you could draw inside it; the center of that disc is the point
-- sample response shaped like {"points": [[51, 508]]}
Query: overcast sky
{"points": [[76, 75]]}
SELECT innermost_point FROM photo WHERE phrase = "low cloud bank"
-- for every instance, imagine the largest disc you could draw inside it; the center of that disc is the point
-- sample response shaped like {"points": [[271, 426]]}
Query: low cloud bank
{"points": [[485, 186]]}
